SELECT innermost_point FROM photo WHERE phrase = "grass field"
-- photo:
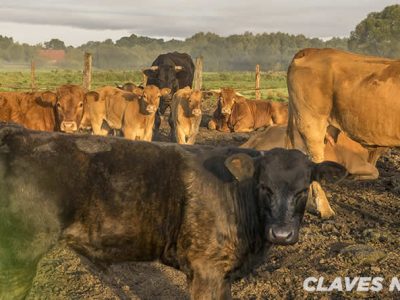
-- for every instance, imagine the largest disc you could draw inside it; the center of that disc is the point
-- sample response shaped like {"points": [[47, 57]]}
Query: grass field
{"points": [[273, 84]]}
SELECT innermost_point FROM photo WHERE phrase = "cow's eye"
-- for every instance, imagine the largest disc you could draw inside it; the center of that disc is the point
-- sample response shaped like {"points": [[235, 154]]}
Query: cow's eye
{"points": [[80, 104], [59, 105], [265, 189]]}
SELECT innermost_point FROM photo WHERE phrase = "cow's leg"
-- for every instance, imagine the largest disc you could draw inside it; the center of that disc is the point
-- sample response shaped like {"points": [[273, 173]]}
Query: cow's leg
{"points": [[192, 139], [243, 126], [129, 133], [180, 135], [313, 130], [211, 286], [212, 124], [374, 154], [148, 135], [317, 201]]}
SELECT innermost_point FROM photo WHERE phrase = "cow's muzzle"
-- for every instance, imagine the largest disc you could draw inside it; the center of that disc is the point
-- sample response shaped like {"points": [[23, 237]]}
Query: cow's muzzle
{"points": [[282, 235], [69, 126], [196, 112], [226, 111], [151, 109]]}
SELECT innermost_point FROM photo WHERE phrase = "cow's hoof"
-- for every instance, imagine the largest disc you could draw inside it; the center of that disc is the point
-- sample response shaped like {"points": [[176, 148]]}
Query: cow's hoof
{"points": [[211, 125], [327, 214]]}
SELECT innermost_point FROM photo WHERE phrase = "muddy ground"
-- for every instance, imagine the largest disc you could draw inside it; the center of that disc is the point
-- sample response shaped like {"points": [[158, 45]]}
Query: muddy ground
{"points": [[362, 240]]}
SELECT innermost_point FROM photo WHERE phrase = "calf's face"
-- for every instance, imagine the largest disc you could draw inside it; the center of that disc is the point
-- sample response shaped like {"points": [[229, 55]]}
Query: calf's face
{"points": [[281, 182], [226, 99], [194, 103], [150, 97], [70, 112]]}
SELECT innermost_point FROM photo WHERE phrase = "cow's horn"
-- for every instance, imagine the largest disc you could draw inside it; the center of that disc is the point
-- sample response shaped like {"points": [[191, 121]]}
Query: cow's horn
{"points": [[216, 91], [178, 68], [154, 68]]}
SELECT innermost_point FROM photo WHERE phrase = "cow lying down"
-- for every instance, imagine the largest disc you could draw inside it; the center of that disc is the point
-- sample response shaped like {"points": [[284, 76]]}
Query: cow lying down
{"points": [[209, 212]]}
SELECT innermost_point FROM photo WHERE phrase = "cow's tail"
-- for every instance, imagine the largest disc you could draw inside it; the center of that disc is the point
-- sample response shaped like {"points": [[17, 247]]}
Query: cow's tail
{"points": [[289, 140]]}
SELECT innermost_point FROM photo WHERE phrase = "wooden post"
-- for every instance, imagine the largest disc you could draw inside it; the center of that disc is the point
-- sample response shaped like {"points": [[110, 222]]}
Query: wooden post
{"points": [[258, 76], [33, 79], [198, 74], [87, 71]]}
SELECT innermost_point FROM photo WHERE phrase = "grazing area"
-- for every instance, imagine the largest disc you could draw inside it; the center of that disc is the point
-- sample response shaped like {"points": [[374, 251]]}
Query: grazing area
{"points": [[273, 84]]}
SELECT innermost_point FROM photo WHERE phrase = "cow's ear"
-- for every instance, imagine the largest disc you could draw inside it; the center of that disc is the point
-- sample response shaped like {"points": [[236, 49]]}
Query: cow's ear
{"points": [[92, 96], [138, 91], [328, 171], [165, 91], [240, 165], [49, 98], [151, 73]]}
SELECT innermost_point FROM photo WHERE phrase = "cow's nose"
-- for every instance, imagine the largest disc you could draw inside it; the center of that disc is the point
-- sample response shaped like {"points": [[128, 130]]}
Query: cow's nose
{"points": [[226, 111], [196, 112], [151, 108], [282, 236], [69, 126]]}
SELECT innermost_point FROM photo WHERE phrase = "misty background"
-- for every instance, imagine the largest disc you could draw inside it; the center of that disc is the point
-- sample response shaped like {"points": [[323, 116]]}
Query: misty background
{"points": [[130, 35]]}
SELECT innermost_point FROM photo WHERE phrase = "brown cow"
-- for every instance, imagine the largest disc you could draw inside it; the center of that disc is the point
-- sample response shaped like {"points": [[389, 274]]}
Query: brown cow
{"points": [[32, 110], [185, 115], [355, 93], [139, 115], [70, 107], [343, 150], [238, 114], [112, 108]]}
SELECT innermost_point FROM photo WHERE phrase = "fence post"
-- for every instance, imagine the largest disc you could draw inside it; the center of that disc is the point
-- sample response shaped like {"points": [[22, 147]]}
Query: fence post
{"points": [[33, 79], [198, 74], [258, 76], [87, 71]]}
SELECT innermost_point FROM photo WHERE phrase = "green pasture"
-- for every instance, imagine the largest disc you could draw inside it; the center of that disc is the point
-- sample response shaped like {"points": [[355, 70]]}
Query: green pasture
{"points": [[273, 84]]}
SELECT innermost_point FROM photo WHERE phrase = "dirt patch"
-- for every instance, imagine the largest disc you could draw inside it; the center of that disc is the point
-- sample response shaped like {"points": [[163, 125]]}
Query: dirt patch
{"points": [[362, 240]]}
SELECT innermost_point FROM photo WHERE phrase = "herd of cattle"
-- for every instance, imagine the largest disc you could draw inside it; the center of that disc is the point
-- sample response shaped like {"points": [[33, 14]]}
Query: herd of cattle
{"points": [[211, 212]]}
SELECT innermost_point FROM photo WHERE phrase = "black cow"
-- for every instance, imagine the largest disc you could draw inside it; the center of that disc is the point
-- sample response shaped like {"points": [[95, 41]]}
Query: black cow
{"points": [[211, 213], [171, 70]]}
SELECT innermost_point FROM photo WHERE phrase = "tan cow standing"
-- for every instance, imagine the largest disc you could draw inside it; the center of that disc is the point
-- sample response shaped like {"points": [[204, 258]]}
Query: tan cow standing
{"points": [[32, 110], [132, 113], [238, 114], [185, 115], [360, 95]]}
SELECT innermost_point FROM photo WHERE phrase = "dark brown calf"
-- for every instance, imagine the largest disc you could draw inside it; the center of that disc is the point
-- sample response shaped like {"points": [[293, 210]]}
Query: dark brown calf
{"points": [[211, 213]]}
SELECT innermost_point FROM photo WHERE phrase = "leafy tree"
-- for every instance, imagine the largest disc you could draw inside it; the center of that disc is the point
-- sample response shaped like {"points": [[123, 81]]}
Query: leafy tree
{"points": [[378, 34], [55, 44]]}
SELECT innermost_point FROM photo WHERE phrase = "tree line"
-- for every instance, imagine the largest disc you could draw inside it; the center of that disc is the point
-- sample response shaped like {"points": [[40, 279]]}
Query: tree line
{"points": [[378, 34]]}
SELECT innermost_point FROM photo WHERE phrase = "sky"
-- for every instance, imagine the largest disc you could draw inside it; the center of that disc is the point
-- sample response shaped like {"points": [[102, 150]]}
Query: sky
{"points": [[78, 21]]}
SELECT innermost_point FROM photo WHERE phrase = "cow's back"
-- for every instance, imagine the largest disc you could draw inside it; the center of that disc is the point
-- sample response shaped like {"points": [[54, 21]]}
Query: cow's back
{"points": [[273, 137], [360, 94], [118, 185]]}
